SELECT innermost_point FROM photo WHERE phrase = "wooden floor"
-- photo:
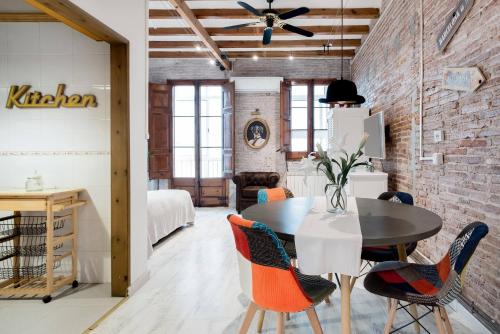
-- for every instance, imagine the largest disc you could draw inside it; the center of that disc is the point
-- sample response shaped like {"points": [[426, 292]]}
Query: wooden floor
{"points": [[195, 288]]}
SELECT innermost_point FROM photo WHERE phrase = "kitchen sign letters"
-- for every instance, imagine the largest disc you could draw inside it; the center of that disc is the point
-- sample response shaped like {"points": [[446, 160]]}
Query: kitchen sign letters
{"points": [[22, 98]]}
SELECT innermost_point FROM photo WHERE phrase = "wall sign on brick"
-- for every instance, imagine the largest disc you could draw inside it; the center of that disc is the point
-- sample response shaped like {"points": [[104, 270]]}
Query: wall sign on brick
{"points": [[462, 78], [453, 23]]}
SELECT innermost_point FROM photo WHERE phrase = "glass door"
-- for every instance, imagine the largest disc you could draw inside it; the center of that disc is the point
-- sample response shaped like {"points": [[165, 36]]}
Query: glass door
{"points": [[198, 143]]}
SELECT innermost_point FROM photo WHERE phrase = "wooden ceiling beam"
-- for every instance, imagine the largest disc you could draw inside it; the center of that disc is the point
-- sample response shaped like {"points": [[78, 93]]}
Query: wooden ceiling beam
{"points": [[195, 25], [232, 13], [70, 14], [26, 17], [255, 31], [250, 54], [255, 44]]}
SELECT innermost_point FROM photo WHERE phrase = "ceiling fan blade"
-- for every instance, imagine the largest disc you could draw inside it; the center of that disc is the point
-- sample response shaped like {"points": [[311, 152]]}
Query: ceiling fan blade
{"points": [[293, 13], [249, 8], [237, 26], [268, 32], [297, 30]]}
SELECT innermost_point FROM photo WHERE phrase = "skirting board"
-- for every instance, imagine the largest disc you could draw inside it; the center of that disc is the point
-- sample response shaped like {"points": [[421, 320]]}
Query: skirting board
{"points": [[482, 317], [138, 283]]}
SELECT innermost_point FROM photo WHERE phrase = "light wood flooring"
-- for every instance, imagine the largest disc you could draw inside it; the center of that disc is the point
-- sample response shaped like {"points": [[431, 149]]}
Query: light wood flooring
{"points": [[195, 288]]}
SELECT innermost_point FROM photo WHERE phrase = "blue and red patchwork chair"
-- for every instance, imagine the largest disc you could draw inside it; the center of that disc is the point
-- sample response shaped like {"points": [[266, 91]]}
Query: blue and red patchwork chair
{"points": [[389, 252], [432, 286], [269, 280], [274, 194], [278, 194]]}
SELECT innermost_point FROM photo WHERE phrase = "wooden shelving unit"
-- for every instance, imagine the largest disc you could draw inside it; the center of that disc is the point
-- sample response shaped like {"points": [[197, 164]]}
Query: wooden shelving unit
{"points": [[60, 206]]}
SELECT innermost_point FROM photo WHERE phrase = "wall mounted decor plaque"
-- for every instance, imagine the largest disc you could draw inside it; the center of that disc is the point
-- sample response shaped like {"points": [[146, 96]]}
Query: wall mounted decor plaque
{"points": [[462, 78]]}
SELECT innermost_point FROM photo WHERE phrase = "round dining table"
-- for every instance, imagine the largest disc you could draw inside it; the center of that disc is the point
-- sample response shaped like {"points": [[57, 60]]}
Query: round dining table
{"points": [[382, 223]]}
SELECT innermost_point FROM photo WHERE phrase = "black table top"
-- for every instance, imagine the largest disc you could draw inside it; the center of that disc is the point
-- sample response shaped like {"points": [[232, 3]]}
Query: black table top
{"points": [[382, 222]]}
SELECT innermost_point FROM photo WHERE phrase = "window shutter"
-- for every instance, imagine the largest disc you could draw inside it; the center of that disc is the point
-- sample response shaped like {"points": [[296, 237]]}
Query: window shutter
{"points": [[285, 116], [228, 164], [160, 131]]}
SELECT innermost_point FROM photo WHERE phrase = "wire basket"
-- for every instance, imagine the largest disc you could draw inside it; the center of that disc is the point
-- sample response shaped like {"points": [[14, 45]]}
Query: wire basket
{"points": [[24, 246], [28, 225], [25, 267]]}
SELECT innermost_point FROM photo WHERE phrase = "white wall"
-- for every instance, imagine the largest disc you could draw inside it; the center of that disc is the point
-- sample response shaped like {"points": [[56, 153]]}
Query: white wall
{"points": [[129, 19], [68, 147]]}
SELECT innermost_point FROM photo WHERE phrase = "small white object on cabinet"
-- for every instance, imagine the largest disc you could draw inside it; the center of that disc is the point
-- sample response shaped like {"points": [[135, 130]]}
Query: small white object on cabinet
{"points": [[366, 184], [345, 129]]}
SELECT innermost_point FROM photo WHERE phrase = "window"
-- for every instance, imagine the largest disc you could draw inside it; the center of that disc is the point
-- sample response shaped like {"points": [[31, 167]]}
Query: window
{"points": [[303, 117], [211, 131], [198, 130], [184, 131]]}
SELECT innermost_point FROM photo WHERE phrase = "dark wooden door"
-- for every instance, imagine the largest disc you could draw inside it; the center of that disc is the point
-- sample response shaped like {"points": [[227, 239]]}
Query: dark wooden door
{"points": [[160, 131], [228, 120]]}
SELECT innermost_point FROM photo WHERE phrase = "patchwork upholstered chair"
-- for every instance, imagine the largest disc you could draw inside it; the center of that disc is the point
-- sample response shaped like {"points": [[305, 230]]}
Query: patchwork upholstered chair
{"points": [[389, 252], [278, 194], [269, 280], [275, 194], [272, 195], [432, 286]]}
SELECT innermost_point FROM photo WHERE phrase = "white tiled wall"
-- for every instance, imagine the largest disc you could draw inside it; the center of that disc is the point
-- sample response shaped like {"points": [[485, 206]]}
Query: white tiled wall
{"points": [[68, 147]]}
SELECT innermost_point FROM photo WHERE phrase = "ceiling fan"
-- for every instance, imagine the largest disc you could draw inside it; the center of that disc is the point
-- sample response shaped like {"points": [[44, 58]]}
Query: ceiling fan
{"points": [[272, 18]]}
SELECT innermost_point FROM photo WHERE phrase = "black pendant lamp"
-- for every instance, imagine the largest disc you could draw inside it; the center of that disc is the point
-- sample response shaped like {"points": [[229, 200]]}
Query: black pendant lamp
{"points": [[342, 91]]}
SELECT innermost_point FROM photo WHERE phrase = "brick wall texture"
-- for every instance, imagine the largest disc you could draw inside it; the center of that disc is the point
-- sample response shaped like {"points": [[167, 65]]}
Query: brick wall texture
{"points": [[466, 187], [163, 69]]}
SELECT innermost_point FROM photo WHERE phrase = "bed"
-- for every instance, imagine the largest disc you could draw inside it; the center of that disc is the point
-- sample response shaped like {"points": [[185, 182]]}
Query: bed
{"points": [[167, 211]]}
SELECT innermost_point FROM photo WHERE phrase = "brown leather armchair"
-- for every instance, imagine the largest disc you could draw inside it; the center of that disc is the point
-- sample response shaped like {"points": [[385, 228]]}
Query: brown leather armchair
{"points": [[248, 185]]}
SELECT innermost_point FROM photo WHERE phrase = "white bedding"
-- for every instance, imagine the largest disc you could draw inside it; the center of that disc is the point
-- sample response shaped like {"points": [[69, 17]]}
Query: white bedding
{"points": [[167, 211]]}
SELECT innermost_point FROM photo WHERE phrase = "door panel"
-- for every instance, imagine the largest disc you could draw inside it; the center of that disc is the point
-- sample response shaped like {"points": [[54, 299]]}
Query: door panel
{"points": [[200, 168], [228, 129], [160, 130], [213, 192], [187, 184]]}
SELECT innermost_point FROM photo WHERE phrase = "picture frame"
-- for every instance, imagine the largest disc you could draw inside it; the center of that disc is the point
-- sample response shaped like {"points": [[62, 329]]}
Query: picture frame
{"points": [[256, 133]]}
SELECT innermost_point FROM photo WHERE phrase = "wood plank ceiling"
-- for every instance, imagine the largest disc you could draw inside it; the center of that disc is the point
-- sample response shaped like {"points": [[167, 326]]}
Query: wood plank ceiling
{"points": [[173, 33]]}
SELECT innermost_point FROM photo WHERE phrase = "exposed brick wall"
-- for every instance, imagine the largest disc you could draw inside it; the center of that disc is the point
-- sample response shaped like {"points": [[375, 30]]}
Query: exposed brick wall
{"points": [[466, 188], [163, 69]]}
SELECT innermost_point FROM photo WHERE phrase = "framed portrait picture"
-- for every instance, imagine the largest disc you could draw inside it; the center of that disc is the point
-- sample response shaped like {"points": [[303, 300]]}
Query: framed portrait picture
{"points": [[256, 133]]}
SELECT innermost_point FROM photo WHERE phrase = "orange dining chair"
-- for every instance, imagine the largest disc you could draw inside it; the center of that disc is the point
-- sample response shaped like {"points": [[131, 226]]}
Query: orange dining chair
{"points": [[269, 280]]}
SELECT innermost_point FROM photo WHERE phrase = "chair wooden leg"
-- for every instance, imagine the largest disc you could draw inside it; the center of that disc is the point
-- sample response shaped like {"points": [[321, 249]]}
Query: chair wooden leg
{"points": [[446, 320], [413, 308], [392, 314], [439, 321], [313, 319], [252, 308], [330, 278], [287, 316], [261, 321], [353, 281], [280, 328]]}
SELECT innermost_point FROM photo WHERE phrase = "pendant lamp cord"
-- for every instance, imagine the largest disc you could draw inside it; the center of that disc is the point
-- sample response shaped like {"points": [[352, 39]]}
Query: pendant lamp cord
{"points": [[342, 40]]}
